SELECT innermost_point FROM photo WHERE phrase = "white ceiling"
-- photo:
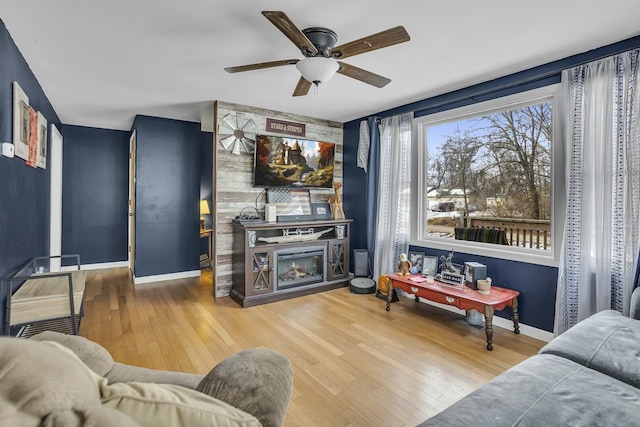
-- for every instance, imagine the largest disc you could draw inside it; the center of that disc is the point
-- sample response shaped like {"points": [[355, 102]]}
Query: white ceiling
{"points": [[101, 63]]}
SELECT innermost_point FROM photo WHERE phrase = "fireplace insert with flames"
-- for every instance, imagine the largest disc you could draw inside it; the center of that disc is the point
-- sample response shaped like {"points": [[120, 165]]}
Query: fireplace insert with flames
{"points": [[297, 267]]}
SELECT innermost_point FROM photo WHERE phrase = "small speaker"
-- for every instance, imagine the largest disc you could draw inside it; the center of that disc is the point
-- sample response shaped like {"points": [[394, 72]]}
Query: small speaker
{"points": [[360, 262]]}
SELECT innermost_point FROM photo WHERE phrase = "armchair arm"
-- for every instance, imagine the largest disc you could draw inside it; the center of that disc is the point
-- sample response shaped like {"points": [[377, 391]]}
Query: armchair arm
{"points": [[96, 357], [257, 381]]}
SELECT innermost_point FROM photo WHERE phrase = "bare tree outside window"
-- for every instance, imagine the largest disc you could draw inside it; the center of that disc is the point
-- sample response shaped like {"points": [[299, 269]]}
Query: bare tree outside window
{"points": [[496, 170]]}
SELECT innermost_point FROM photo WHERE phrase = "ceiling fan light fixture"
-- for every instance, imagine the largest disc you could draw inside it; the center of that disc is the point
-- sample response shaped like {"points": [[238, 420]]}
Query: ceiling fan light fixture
{"points": [[317, 69]]}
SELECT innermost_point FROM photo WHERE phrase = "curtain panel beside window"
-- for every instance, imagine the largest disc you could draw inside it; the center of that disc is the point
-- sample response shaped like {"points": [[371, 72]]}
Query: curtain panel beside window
{"points": [[598, 261], [393, 193]]}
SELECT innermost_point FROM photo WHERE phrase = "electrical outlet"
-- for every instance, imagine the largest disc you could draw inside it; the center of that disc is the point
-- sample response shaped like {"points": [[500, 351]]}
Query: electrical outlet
{"points": [[7, 149]]}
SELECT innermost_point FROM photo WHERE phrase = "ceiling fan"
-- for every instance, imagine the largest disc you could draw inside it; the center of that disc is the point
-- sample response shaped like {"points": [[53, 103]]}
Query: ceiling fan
{"points": [[321, 55]]}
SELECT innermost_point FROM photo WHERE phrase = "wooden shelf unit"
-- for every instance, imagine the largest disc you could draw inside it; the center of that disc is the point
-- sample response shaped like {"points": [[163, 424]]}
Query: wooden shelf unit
{"points": [[253, 259]]}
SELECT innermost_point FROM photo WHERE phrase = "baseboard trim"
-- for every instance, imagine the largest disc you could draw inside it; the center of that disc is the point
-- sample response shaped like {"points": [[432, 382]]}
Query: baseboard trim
{"points": [[498, 321], [98, 266], [163, 277]]}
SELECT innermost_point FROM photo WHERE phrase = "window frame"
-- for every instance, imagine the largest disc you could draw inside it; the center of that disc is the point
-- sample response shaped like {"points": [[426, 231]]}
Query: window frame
{"points": [[419, 208]]}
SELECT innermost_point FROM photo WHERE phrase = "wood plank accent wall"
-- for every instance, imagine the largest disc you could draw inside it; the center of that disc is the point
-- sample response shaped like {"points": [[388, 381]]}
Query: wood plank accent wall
{"points": [[233, 180]]}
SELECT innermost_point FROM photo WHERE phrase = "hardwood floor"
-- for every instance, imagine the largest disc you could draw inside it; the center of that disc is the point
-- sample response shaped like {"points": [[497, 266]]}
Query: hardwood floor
{"points": [[354, 363]]}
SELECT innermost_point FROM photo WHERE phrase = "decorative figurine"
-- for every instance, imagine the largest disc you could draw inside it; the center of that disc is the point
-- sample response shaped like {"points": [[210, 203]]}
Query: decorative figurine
{"points": [[446, 264], [336, 202], [404, 265]]}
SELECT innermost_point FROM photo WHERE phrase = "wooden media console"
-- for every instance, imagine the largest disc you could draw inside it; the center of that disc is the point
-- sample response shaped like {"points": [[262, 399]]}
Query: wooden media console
{"points": [[280, 260]]}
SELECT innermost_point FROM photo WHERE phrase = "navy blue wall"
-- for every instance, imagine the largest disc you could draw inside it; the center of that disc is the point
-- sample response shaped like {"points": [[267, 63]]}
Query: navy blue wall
{"points": [[167, 196], [24, 199], [537, 284], [95, 194], [354, 192], [542, 75], [355, 187]]}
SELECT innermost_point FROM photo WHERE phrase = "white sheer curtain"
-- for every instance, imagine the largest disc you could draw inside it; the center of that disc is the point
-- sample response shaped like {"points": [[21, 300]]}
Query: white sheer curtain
{"points": [[600, 244], [394, 180]]}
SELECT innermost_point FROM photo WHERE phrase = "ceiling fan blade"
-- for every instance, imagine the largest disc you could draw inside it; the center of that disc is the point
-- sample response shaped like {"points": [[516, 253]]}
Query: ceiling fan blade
{"points": [[302, 88], [362, 75], [260, 65], [289, 29], [375, 41]]}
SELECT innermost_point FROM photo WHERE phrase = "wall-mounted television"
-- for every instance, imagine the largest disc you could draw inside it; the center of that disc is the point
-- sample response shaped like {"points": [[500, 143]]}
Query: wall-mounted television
{"points": [[282, 161]]}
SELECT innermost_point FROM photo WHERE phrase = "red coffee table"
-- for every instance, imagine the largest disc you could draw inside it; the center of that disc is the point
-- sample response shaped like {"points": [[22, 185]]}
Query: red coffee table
{"points": [[462, 297]]}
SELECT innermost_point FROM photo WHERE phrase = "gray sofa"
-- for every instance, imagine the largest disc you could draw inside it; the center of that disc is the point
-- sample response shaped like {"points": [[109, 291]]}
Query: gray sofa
{"points": [[588, 376], [57, 380]]}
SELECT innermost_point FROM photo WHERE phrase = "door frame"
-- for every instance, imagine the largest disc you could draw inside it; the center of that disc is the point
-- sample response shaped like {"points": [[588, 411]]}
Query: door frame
{"points": [[55, 169], [132, 203]]}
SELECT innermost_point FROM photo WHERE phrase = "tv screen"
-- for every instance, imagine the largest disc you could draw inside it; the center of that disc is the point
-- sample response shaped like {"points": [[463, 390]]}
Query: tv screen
{"points": [[293, 162]]}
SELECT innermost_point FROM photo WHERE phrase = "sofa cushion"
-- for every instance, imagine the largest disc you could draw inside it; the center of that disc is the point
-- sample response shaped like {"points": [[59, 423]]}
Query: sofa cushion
{"points": [[44, 383], [546, 390], [607, 342], [42, 378], [258, 381], [96, 357], [160, 405]]}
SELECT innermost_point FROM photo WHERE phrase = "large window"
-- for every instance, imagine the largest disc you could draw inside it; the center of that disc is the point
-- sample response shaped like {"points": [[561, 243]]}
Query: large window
{"points": [[486, 175]]}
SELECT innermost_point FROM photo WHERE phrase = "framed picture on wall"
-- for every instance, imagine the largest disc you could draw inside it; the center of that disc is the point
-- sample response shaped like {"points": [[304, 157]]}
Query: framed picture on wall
{"points": [[21, 122], [290, 201], [41, 158]]}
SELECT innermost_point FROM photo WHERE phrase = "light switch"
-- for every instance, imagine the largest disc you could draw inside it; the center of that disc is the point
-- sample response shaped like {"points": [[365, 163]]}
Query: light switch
{"points": [[7, 149]]}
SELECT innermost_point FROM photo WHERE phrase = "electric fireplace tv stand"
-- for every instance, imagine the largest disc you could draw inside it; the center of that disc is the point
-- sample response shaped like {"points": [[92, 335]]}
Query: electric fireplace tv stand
{"points": [[280, 260]]}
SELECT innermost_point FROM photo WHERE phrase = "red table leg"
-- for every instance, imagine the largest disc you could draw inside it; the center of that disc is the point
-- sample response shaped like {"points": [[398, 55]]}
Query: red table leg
{"points": [[514, 315], [389, 295], [488, 325]]}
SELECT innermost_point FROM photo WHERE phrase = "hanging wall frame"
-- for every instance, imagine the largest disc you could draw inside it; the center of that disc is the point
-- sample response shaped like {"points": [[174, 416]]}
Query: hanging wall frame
{"points": [[20, 122]]}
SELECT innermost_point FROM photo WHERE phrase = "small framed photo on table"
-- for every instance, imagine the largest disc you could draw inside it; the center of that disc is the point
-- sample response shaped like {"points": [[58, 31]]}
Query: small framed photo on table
{"points": [[415, 258], [429, 265], [321, 211]]}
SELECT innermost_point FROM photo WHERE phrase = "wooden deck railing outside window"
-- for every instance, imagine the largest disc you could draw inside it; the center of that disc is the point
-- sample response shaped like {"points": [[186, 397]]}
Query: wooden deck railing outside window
{"points": [[532, 233]]}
